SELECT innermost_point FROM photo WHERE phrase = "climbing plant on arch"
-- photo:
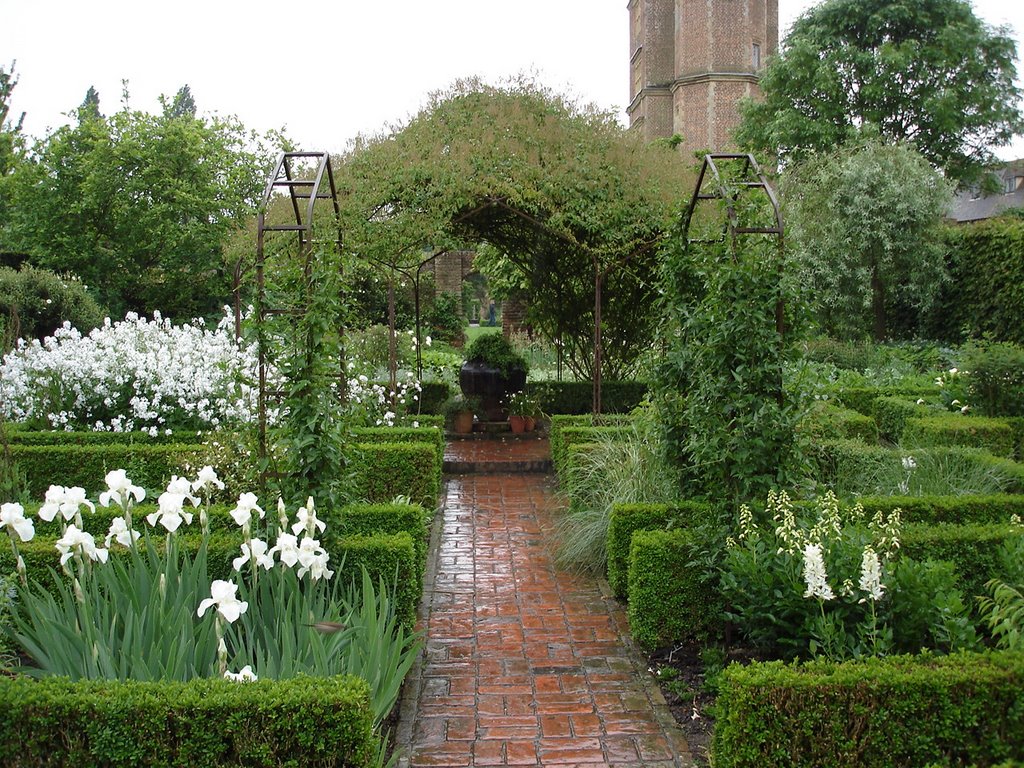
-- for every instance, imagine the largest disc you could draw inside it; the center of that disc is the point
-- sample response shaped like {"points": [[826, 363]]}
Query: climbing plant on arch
{"points": [[574, 205]]}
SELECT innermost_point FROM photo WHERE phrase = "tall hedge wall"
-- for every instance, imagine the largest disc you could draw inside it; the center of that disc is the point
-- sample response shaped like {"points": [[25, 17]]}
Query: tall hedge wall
{"points": [[986, 293]]}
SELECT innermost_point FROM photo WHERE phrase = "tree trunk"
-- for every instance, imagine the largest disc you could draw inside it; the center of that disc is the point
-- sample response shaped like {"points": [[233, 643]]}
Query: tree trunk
{"points": [[878, 304]]}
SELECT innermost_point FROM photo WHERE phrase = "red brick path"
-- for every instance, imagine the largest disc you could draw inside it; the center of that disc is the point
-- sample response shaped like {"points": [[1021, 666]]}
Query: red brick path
{"points": [[524, 664]]}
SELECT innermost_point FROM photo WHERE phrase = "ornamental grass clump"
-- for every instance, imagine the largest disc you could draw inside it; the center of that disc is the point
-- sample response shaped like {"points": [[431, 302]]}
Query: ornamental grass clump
{"points": [[143, 606], [830, 584]]}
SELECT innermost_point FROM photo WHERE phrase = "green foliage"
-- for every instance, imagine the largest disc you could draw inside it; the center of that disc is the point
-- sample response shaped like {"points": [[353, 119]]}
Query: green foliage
{"points": [[565, 192], [928, 72], [993, 435], [433, 394], [625, 519], [973, 549], [933, 510], [879, 713], [861, 399], [865, 227], [570, 436], [623, 466], [729, 425], [85, 465], [36, 302], [671, 597], [367, 519], [139, 206], [424, 434], [310, 435], [1004, 614], [853, 468], [829, 584], [576, 397], [893, 414], [996, 380], [380, 472], [444, 320], [496, 351], [985, 297], [95, 724], [825, 420], [388, 558]]}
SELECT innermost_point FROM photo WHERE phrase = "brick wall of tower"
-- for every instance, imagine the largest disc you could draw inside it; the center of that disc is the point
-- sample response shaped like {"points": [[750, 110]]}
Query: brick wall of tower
{"points": [[712, 60]]}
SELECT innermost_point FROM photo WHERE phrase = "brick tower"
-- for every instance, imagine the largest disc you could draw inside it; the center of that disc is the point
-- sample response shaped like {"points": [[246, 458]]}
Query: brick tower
{"points": [[691, 61]]}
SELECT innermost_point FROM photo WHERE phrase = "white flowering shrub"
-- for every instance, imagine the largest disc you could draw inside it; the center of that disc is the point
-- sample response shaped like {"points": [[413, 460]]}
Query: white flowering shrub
{"points": [[829, 583], [136, 374]]}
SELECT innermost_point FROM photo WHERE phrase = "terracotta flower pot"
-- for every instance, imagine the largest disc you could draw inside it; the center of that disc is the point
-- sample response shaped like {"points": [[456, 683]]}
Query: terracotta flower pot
{"points": [[518, 424], [462, 423], [531, 423]]}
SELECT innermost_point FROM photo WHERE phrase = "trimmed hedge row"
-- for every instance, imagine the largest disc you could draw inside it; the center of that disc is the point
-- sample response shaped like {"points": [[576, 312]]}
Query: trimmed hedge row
{"points": [[667, 600], [861, 399], [850, 457], [993, 435], [18, 436], [948, 509], [422, 434], [383, 471], [827, 421], [96, 724], [577, 397], [892, 414], [391, 557], [973, 550], [150, 466], [369, 519], [626, 519], [961, 710]]}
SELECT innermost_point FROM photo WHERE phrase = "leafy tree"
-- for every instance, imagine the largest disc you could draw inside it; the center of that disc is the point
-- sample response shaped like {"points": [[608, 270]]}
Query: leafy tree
{"points": [[10, 133], [139, 206], [90, 107], [183, 104], [865, 225], [926, 71]]}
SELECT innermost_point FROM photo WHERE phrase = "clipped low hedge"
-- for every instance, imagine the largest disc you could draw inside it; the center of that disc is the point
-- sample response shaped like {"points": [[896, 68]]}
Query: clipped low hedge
{"points": [[369, 519], [433, 395], [18, 436], [149, 466], [826, 421], [577, 397], [993, 435], [383, 471], [948, 509], [667, 600], [626, 519], [892, 415], [861, 399], [422, 434], [908, 711], [391, 557], [973, 550], [97, 724], [847, 458]]}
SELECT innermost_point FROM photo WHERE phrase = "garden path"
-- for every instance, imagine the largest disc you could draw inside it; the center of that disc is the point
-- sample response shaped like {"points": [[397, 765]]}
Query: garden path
{"points": [[524, 664]]}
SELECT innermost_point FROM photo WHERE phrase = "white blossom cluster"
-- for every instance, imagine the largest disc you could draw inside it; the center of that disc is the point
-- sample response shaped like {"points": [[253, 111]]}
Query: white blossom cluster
{"points": [[135, 374], [370, 401]]}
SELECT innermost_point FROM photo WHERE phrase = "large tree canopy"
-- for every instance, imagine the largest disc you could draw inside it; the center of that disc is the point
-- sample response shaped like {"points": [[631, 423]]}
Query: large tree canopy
{"points": [[865, 226], [567, 197], [138, 205], [926, 71]]}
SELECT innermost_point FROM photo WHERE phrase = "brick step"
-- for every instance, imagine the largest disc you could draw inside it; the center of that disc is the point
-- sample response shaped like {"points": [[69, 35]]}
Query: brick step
{"points": [[497, 467]]}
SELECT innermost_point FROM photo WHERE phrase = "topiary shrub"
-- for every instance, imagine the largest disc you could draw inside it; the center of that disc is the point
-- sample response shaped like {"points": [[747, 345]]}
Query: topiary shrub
{"points": [[993, 435], [36, 302], [494, 350]]}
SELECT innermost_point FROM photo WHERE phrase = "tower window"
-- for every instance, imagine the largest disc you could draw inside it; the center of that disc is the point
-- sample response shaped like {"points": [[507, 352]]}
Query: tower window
{"points": [[755, 57]]}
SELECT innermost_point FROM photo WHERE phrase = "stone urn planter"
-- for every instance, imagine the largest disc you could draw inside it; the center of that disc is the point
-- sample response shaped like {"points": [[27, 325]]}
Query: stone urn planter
{"points": [[493, 371]]}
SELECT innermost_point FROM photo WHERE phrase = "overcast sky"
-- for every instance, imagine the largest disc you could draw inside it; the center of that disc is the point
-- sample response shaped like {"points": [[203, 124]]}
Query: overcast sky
{"points": [[327, 71]]}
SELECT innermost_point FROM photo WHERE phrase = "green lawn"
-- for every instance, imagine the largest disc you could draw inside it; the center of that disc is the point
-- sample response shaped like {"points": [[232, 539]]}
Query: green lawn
{"points": [[473, 331]]}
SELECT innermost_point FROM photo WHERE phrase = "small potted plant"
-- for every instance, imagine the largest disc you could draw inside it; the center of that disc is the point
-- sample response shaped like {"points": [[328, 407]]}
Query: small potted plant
{"points": [[493, 370], [458, 413], [518, 408]]}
